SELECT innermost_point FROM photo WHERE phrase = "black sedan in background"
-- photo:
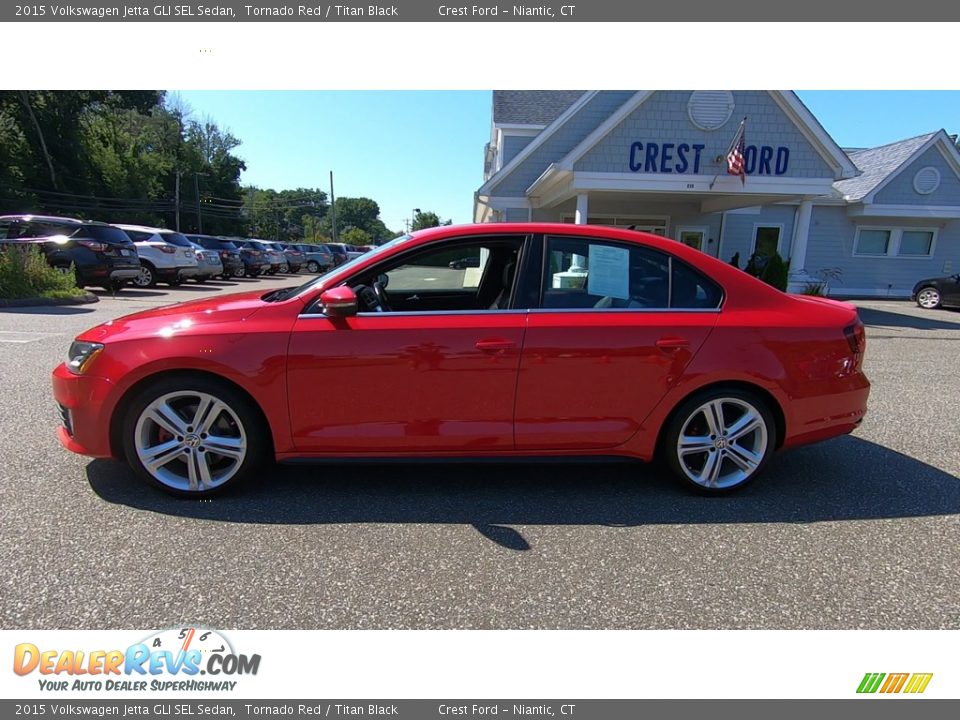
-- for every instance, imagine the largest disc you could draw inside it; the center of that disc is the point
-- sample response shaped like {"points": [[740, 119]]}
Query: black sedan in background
{"points": [[937, 292], [228, 252]]}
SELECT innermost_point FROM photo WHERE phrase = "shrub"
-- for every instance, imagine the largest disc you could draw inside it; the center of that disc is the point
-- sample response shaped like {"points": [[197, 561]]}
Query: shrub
{"points": [[775, 272], [25, 273]]}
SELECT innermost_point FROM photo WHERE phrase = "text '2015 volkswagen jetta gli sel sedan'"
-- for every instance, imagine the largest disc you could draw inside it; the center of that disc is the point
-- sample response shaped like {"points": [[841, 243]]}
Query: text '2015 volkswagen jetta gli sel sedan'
{"points": [[559, 340]]}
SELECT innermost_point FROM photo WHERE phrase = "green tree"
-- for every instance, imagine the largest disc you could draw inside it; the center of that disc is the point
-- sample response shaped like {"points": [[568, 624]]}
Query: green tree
{"points": [[362, 213], [354, 236], [427, 219]]}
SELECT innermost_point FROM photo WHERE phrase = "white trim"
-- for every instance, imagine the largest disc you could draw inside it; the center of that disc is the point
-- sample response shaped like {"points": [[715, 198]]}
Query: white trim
{"points": [[698, 184], [893, 246], [702, 229], [753, 242], [607, 126], [947, 149], [814, 132], [519, 128], [938, 212], [545, 135]]}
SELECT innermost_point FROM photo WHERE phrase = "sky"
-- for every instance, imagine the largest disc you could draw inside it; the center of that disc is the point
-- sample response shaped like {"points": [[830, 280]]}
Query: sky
{"points": [[424, 149]]}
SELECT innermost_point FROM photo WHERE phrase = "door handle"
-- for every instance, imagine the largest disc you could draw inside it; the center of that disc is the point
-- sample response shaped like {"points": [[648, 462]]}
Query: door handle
{"points": [[495, 345], [672, 343]]}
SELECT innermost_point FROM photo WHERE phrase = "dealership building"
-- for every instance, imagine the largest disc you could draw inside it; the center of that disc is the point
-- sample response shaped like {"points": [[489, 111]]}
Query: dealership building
{"points": [[874, 220]]}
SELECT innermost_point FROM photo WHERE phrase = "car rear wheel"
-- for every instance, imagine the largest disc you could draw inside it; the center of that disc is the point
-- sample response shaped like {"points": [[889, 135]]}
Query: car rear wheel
{"points": [[147, 278], [928, 298], [313, 266], [193, 436], [718, 441]]}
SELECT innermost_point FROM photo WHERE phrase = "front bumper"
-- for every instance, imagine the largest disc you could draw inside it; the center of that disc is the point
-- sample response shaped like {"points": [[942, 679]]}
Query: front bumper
{"points": [[85, 407]]}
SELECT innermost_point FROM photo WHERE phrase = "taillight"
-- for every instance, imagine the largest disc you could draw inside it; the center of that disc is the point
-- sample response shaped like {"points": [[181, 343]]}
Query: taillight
{"points": [[93, 245], [857, 340], [168, 249]]}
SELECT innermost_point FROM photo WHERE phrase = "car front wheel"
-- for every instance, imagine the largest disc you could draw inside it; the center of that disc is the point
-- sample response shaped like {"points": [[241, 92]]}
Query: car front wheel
{"points": [[928, 298], [720, 440], [193, 437], [146, 278]]}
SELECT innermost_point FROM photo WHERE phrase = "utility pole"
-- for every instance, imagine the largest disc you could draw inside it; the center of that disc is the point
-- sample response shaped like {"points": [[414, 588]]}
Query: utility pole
{"points": [[196, 189], [333, 209], [176, 199]]}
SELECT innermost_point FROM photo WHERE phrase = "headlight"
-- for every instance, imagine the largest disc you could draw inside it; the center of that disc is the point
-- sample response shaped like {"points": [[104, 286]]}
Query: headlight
{"points": [[81, 353]]}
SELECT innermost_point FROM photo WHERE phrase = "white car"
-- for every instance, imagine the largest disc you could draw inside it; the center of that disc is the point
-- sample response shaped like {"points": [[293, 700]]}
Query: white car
{"points": [[165, 255]]}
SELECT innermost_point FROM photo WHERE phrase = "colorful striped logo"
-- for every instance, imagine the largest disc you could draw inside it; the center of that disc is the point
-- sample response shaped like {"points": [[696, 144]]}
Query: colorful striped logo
{"points": [[894, 682]]}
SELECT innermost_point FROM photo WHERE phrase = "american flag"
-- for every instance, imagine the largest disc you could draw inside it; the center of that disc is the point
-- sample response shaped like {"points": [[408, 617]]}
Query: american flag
{"points": [[735, 160]]}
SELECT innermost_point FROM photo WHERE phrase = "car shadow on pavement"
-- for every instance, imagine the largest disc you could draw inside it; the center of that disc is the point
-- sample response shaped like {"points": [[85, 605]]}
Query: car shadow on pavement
{"points": [[872, 317], [49, 310], [843, 479]]}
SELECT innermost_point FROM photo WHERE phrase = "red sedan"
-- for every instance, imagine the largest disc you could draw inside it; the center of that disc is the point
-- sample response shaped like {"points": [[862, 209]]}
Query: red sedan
{"points": [[555, 340]]}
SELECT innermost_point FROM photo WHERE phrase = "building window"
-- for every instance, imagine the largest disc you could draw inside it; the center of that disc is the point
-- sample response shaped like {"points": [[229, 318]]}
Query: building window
{"points": [[894, 242], [766, 240], [872, 242], [916, 243]]}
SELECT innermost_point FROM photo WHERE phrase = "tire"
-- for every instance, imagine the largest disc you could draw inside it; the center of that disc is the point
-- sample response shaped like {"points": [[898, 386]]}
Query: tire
{"points": [[189, 461], [147, 277], [929, 298], [721, 461], [313, 266], [114, 286], [176, 282]]}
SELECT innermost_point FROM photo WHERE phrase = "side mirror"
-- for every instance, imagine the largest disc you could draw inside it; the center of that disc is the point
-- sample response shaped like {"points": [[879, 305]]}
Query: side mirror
{"points": [[339, 302]]}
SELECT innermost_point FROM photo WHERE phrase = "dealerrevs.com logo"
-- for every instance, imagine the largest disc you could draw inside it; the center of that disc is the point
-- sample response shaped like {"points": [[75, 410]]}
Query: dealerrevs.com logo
{"points": [[167, 660], [910, 683]]}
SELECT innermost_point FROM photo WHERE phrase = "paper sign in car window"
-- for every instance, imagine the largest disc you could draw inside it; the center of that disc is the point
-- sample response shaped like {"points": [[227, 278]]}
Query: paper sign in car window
{"points": [[609, 272]]}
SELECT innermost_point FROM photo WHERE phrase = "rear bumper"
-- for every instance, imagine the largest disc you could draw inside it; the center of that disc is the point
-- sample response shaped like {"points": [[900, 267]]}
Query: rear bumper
{"points": [[83, 401], [188, 271], [819, 418], [124, 274]]}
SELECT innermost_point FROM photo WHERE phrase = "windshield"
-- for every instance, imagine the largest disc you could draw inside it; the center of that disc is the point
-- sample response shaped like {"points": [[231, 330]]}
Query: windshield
{"points": [[313, 282]]}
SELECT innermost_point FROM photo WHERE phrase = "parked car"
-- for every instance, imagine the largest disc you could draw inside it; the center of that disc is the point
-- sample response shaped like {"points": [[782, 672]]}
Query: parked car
{"points": [[339, 253], [465, 262], [294, 255], [574, 340], [349, 251], [255, 257], [317, 258], [165, 256], [99, 254], [937, 292], [208, 263], [278, 260], [228, 252]]}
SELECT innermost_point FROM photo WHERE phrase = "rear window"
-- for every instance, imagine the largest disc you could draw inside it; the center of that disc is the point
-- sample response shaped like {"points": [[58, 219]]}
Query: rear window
{"points": [[139, 235], [175, 238], [37, 229], [212, 243], [104, 233]]}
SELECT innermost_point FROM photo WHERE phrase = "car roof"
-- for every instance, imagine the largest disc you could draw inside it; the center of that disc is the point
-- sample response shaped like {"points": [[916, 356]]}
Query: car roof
{"points": [[144, 228], [51, 218]]}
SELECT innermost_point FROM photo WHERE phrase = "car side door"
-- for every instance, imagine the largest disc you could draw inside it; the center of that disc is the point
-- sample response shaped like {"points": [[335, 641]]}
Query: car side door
{"points": [[617, 324], [419, 378]]}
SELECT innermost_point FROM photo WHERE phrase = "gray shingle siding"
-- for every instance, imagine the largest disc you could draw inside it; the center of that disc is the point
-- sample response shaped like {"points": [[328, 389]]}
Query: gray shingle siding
{"points": [[516, 215], [531, 107], [664, 117], [598, 109], [877, 163], [513, 144], [900, 191]]}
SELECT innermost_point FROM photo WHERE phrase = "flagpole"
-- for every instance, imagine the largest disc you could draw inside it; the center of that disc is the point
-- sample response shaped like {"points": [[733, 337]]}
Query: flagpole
{"points": [[736, 135]]}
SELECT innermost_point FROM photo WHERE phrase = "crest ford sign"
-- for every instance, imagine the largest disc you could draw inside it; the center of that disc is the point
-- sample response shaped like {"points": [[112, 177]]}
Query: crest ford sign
{"points": [[657, 157]]}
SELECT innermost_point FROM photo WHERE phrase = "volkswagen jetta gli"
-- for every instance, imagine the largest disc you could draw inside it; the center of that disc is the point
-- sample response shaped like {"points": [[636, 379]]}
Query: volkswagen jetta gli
{"points": [[552, 340]]}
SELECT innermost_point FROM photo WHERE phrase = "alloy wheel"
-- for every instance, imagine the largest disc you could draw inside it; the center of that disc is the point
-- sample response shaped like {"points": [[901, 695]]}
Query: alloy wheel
{"points": [[928, 298], [190, 441], [145, 278], [722, 443]]}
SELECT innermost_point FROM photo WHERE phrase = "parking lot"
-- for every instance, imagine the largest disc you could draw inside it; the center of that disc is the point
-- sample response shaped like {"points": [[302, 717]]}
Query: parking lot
{"points": [[858, 532]]}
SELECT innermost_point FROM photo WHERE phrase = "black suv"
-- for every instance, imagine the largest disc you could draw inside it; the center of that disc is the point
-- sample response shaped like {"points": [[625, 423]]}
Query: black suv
{"points": [[100, 254], [229, 253]]}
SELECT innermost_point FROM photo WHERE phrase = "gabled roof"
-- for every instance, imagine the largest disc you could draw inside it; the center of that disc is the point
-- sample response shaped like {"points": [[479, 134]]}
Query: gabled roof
{"points": [[879, 163], [531, 107]]}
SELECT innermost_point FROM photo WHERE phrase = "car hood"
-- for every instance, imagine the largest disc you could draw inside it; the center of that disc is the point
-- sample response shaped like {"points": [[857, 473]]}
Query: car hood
{"points": [[172, 319]]}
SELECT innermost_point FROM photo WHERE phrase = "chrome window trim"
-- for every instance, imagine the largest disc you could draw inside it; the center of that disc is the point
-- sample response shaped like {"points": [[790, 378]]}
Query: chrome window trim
{"points": [[420, 313]]}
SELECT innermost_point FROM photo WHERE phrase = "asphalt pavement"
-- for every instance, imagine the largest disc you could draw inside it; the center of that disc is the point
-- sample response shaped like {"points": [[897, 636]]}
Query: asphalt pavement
{"points": [[857, 532]]}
